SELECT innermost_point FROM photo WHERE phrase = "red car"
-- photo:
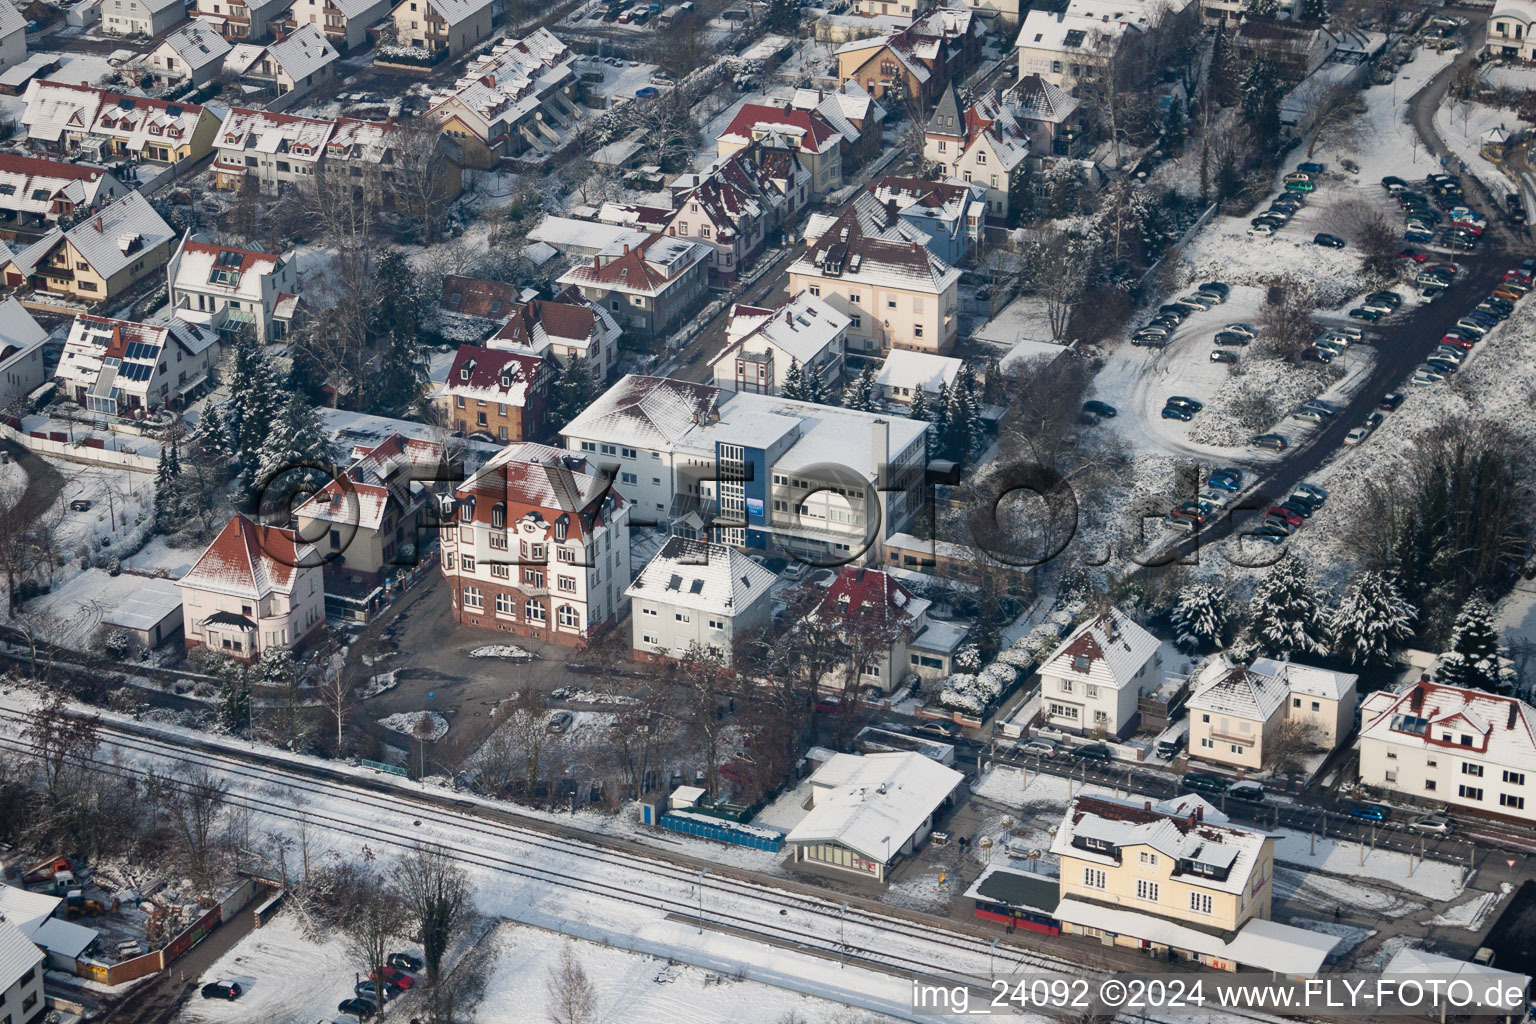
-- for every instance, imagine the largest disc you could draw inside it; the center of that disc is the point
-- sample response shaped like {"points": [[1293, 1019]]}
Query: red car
{"points": [[829, 705], [1455, 339], [1469, 225], [394, 976], [1445, 268], [737, 773], [1517, 275], [1417, 255], [1285, 514]]}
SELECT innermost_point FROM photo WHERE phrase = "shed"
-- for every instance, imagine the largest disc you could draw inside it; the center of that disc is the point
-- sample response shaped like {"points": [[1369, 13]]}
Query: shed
{"points": [[1019, 899], [151, 611]]}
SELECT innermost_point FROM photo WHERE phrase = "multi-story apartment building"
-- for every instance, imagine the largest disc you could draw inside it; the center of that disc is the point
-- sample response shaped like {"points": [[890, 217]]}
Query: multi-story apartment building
{"points": [[271, 150], [141, 17], [442, 26], [286, 71], [122, 368], [762, 344], [919, 61], [255, 588], [98, 258], [517, 97], [370, 521], [855, 114], [35, 191], [650, 287], [755, 471], [344, 22], [1472, 750], [242, 21], [951, 213], [816, 144], [101, 125], [1236, 712], [538, 547], [693, 593], [496, 394], [894, 291], [217, 283], [1091, 683], [993, 141], [1177, 878], [1078, 42]]}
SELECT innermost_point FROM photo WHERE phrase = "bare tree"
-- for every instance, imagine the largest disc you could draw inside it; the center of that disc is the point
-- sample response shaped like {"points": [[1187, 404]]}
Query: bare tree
{"points": [[376, 917], [339, 699], [63, 743], [702, 672], [1374, 234], [1336, 112], [528, 728], [437, 897], [1285, 752], [421, 175], [1060, 264], [1287, 324], [197, 807], [572, 996]]}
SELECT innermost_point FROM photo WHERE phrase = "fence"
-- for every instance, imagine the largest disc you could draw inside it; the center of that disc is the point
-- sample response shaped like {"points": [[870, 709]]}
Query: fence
{"points": [[159, 959], [722, 831], [264, 912], [1189, 232], [92, 450]]}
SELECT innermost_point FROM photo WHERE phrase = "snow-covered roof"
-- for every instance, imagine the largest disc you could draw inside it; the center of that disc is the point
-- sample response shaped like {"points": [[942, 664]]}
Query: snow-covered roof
{"points": [[11, 20], [807, 129], [1500, 730], [541, 485], [535, 326], [1521, 10], [803, 328], [583, 237], [703, 576], [26, 909], [196, 44], [1308, 679], [870, 593], [250, 560], [1097, 829], [647, 269], [844, 251], [398, 467], [500, 88], [1034, 98], [211, 269], [495, 375], [913, 370], [876, 801], [112, 357], [261, 131], [848, 108], [31, 914], [298, 55], [1281, 948], [454, 12], [30, 184], [19, 332], [18, 954], [116, 236], [1422, 963], [1073, 32], [54, 108], [1235, 690], [1107, 650], [144, 605]]}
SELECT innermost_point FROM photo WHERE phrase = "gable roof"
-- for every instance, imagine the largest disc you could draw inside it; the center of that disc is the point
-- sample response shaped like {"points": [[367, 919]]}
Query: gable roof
{"points": [[1502, 729], [56, 107], [875, 802], [18, 954], [197, 44], [360, 495], [498, 89], [703, 576], [117, 235], [549, 484], [473, 296], [1109, 649], [858, 592], [494, 375], [19, 332], [807, 128], [223, 269], [11, 19], [454, 11], [30, 184], [540, 323], [652, 412], [907, 369], [645, 269], [802, 328], [1034, 98], [299, 54], [947, 118], [1307, 679], [250, 560]]}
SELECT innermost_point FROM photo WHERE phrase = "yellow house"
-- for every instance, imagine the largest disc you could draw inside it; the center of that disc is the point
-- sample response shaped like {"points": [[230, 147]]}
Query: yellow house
{"points": [[100, 257], [67, 118], [1176, 879], [1236, 711]]}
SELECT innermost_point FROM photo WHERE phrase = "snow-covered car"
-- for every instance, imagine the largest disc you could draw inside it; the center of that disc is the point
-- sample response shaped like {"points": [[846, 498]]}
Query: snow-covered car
{"points": [[1314, 493], [1263, 230], [1424, 376], [1242, 328], [1357, 435]]}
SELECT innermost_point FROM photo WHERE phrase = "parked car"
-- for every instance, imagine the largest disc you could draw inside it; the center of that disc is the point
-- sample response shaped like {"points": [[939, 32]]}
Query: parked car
{"points": [[1300, 186], [358, 1007], [1169, 749], [560, 721], [80, 505], [936, 730], [1247, 330], [1096, 752], [1317, 355], [1192, 404], [1222, 355], [1177, 412], [1433, 824], [1311, 167], [1285, 515], [1098, 408], [369, 990], [1262, 229], [1250, 791], [1217, 288], [394, 976], [1367, 313], [1038, 747], [1231, 338], [1356, 435], [222, 990], [1330, 241], [1206, 783], [1416, 255], [1312, 491], [1370, 812], [1392, 183], [1391, 400], [1390, 299], [408, 961], [1270, 442]]}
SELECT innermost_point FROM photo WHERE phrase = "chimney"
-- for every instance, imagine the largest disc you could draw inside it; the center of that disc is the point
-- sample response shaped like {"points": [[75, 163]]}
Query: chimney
{"points": [[1416, 701], [1514, 712], [626, 248], [880, 449], [597, 264], [99, 228], [1146, 805], [1199, 812]]}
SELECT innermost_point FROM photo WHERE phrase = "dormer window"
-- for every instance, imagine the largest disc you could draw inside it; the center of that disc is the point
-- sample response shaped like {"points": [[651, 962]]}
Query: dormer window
{"points": [[464, 373], [506, 380], [467, 510], [499, 516]]}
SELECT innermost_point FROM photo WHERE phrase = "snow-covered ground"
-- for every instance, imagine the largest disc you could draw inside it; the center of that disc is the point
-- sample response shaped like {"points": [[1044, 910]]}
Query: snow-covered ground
{"points": [[1474, 913], [1432, 879], [1462, 124], [408, 722]]}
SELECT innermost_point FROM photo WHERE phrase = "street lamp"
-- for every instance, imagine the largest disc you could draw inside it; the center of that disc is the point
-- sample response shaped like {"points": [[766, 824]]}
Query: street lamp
{"points": [[702, 873], [992, 959]]}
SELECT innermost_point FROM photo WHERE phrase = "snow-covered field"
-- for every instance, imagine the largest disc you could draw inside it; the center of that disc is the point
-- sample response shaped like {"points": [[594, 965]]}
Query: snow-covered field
{"points": [[1432, 879]]}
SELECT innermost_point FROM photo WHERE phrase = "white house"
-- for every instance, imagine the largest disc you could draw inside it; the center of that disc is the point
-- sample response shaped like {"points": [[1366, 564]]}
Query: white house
{"points": [[344, 22], [1320, 698], [13, 36], [21, 975], [242, 21], [438, 25], [21, 353], [287, 70], [122, 368], [1090, 684], [1510, 28], [255, 288], [36, 191], [1236, 712], [904, 373], [869, 810], [255, 588], [194, 51], [694, 592], [1473, 750], [141, 17], [762, 344]]}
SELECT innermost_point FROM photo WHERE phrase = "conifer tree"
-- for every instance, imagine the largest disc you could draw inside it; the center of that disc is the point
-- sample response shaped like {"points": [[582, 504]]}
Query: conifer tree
{"points": [[1372, 618], [1472, 657], [794, 382], [1287, 613]]}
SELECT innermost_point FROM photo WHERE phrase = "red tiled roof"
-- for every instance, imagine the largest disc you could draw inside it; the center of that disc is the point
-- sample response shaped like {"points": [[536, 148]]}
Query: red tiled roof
{"points": [[560, 319], [477, 297], [857, 592], [249, 559], [15, 163], [486, 367], [250, 257], [817, 131]]}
